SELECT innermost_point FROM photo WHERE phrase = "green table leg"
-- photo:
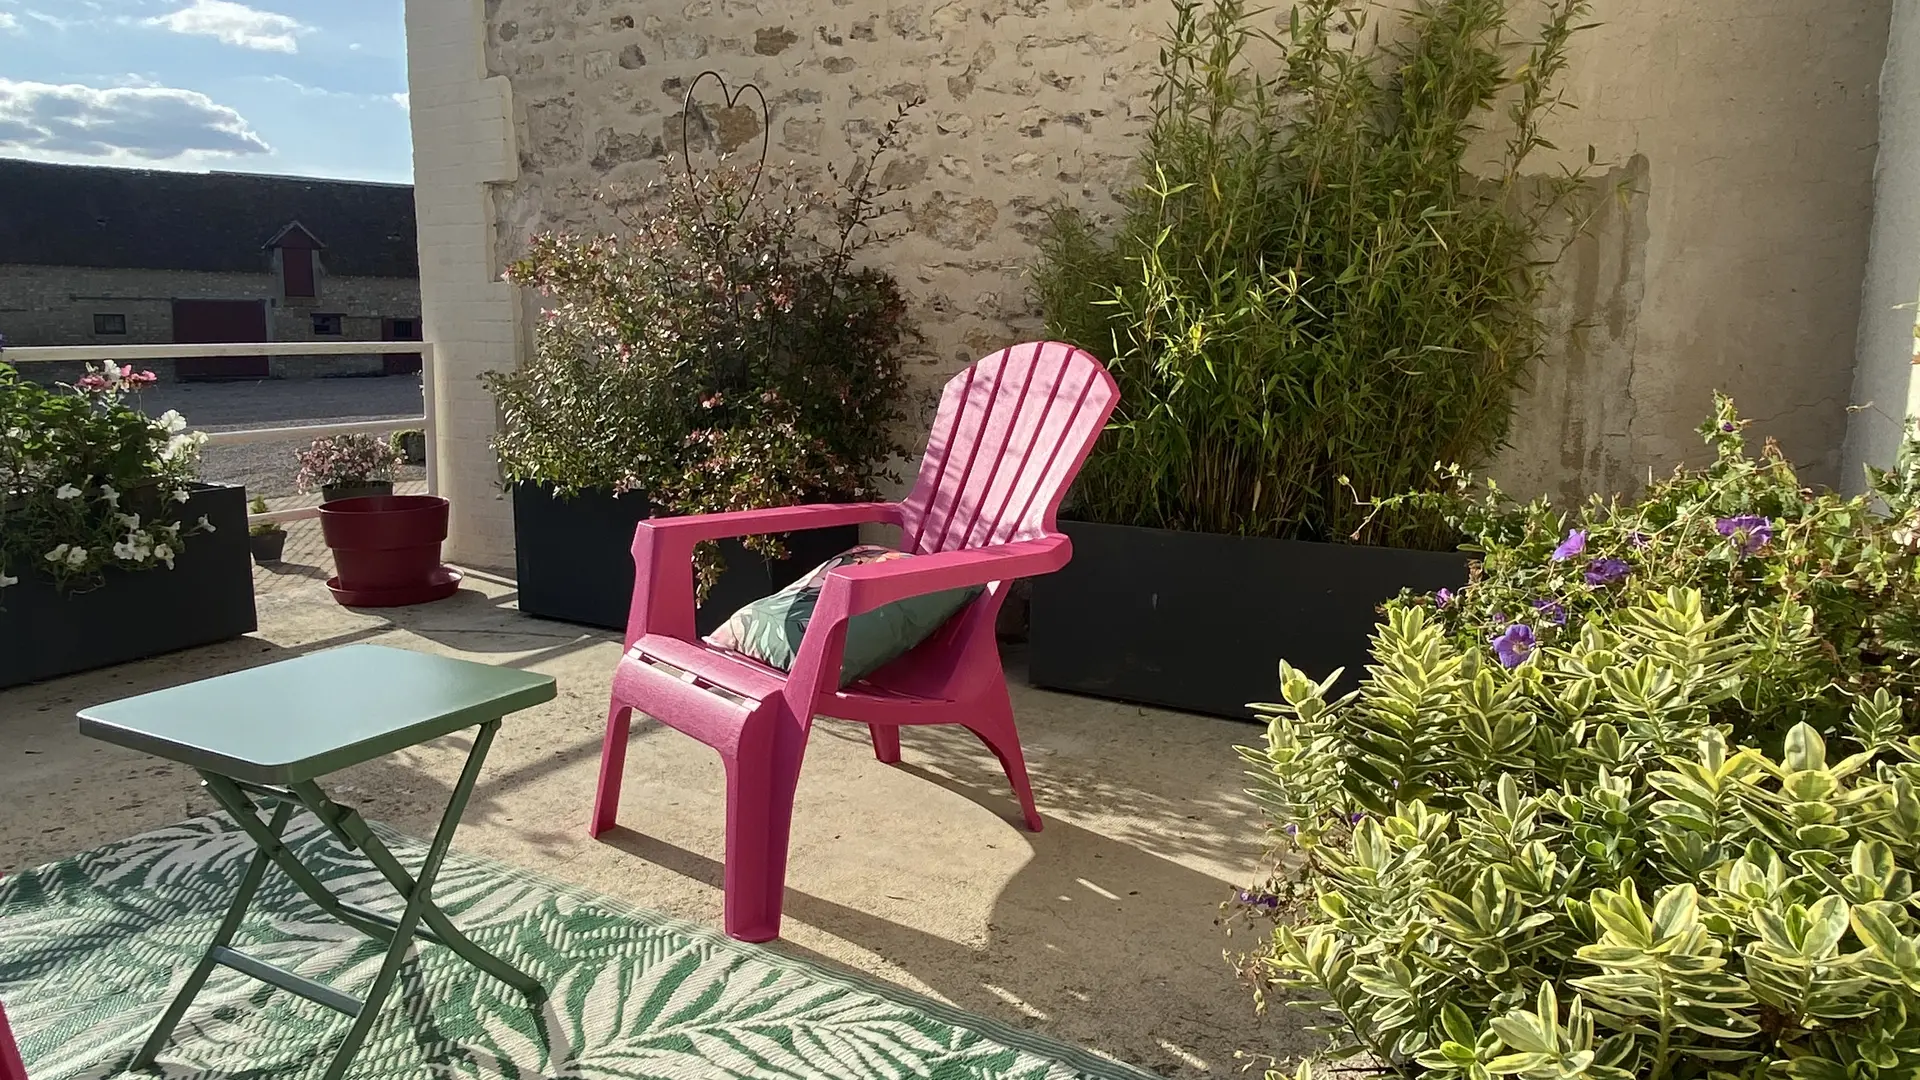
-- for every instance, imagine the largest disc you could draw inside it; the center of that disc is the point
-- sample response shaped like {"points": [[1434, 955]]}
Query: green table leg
{"points": [[396, 934], [222, 938]]}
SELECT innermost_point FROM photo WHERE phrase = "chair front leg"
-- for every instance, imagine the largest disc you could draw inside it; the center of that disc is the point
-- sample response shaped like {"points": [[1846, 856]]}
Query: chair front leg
{"points": [[886, 743], [613, 763], [763, 775]]}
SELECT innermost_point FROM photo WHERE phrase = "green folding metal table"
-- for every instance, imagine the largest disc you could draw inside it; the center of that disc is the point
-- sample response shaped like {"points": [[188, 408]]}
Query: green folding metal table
{"points": [[262, 737]]}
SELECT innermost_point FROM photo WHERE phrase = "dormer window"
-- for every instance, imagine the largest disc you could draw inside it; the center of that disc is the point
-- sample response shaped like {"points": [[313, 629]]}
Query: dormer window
{"points": [[297, 248]]}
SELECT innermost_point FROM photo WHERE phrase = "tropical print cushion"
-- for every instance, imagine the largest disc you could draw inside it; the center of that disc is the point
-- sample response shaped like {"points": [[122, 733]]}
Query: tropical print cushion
{"points": [[770, 628]]}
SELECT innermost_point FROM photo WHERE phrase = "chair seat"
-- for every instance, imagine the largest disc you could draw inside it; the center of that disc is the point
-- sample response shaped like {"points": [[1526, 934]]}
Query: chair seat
{"points": [[709, 667], [712, 666]]}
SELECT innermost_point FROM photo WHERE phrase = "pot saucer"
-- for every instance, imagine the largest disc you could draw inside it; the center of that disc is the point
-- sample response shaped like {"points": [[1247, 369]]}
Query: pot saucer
{"points": [[443, 582]]}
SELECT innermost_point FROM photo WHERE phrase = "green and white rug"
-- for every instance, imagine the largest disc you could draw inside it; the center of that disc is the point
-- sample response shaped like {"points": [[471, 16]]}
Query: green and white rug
{"points": [[93, 947]]}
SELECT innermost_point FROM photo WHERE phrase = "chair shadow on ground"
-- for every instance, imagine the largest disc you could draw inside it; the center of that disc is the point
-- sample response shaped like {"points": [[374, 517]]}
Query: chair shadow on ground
{"points": [[1148, 979]]}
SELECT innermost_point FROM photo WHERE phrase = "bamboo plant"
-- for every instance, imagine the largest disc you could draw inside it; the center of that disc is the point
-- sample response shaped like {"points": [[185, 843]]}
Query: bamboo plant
{"points": [[1309, 299]]}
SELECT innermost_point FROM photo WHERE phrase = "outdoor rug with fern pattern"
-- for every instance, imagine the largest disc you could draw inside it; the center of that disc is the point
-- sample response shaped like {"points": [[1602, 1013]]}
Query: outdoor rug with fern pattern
{"points": [[92, 948]]}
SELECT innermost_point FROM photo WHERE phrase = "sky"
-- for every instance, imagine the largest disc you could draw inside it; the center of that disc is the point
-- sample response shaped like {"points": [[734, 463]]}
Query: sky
{"points": [[294, 87]]}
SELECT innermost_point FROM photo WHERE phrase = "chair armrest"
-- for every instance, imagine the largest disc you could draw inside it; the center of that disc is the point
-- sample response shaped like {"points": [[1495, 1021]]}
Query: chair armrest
{"points": [[693, 528], [856, 590], [873, 585], [663, 555]]}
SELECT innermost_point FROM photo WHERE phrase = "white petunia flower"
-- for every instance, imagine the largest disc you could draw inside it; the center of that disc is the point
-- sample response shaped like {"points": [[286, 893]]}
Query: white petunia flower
{"points": [[6, 581], [129, 521], [205, 525], [182, 495], [67, 491], [77, 558], [59, 554], [163, 553], [171, 422], [111, 496]]}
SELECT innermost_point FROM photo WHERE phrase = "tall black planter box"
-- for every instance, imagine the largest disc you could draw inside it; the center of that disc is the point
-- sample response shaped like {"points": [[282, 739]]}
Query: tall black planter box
{"points": [[574, 559], [1200, 621], [206, 597]]}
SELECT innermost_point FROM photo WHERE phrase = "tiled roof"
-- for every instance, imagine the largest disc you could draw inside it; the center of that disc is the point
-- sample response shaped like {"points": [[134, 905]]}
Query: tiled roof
{"points": [[86, 215]]}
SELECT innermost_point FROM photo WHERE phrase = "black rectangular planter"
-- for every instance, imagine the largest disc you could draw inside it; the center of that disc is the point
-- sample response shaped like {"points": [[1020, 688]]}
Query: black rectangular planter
{"points": [[206, 597], [574, 559], [1200, 621]]}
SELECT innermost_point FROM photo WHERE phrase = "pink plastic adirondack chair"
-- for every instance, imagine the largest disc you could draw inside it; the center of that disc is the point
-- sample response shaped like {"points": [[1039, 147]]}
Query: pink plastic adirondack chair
{"points": [[1011, 433], [11, 1067]]}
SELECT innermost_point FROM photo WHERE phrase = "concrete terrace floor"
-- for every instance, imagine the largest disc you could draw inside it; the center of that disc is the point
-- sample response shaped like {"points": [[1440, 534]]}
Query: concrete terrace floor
{"points": [[1099, 931]]}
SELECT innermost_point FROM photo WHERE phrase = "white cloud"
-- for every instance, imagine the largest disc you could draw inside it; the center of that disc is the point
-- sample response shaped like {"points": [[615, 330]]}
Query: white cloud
{"points": [[140, 123], [403, 99], [9, 22], [235, 24]]}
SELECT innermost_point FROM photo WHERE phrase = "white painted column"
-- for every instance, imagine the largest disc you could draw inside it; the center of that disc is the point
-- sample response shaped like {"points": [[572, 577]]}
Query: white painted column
{"points": [[1883, 382], [463, 141]]}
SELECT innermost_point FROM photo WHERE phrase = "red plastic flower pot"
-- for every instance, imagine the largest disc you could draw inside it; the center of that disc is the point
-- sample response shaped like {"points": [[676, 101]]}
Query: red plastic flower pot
{"points": [[387, 550]]}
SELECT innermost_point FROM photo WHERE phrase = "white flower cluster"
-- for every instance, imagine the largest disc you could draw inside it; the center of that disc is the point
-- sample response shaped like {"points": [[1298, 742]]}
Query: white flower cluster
{"points": [[73, 556], [183, 446], [142, 545]]}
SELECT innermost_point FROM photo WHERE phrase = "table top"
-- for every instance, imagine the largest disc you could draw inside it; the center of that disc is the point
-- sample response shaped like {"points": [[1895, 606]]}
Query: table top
{"points": [[314, 714]]}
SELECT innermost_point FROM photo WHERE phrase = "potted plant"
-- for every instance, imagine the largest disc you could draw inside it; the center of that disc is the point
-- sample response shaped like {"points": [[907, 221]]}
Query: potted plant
{"points": [[387, 550], [1307, 302], [267, 539], [720, 354], [347, 467], [110, 549], [410, 446]]}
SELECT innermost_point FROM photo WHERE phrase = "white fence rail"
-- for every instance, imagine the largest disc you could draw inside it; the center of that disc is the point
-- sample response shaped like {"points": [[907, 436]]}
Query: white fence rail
{"points": [[130, 354]]}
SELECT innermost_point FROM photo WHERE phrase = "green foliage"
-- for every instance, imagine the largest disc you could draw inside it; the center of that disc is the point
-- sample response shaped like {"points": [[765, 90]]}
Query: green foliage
{"points": [[269, 528], [724, 353], [1632, 848], [1308, 297], [1824, 585], [87, 481]]}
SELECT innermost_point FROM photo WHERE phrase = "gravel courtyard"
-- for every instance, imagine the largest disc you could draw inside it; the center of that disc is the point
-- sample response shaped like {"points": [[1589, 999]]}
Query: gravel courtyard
{"points": [[267, 469]]}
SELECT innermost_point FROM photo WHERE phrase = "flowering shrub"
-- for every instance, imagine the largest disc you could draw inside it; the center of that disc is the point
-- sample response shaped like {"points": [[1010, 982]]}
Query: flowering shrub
{"points": [[724, 353], [87, 481], [1641, 801], [345, 459]]}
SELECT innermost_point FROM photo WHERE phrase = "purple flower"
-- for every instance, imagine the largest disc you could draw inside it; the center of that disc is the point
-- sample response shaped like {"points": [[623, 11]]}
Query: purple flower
{"points": [[1443, 598], [1356, 818], [1749, 532], [1638, 540], [1259, 899], [1606, 571], [1513, 645], [1726, 425], [1552, 611], [1293, 830], [1574, 544]]}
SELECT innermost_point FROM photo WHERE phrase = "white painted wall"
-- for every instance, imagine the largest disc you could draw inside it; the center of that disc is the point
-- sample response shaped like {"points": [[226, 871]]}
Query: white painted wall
{"points": [[1883, 384], [463, 143]]}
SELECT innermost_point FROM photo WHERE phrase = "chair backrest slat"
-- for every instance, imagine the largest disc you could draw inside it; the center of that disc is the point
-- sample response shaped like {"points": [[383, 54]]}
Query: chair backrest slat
{"points": [[1010, 433]]}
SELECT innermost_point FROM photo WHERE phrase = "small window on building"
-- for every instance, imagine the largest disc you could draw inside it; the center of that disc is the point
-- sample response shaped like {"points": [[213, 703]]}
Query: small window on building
{"points": [[403, 330], [327, 324], [109, 324]]}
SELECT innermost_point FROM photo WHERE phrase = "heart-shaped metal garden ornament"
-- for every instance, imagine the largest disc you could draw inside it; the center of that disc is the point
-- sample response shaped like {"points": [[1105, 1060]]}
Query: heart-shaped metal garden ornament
{"points": [[730, 99]]}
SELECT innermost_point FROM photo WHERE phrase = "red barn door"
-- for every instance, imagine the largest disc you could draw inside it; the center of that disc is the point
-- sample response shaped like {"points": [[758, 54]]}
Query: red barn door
{"points": [[219, 322]]}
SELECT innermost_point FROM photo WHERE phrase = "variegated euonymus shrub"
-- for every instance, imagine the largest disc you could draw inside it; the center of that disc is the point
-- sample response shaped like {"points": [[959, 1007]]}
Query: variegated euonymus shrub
{"points": [[1669, 831]]}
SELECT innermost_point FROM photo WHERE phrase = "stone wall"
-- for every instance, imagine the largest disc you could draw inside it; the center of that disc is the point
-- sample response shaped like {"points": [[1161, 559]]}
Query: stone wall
{"points": [[1737, 139], [55, 305], [1743, 132]]}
